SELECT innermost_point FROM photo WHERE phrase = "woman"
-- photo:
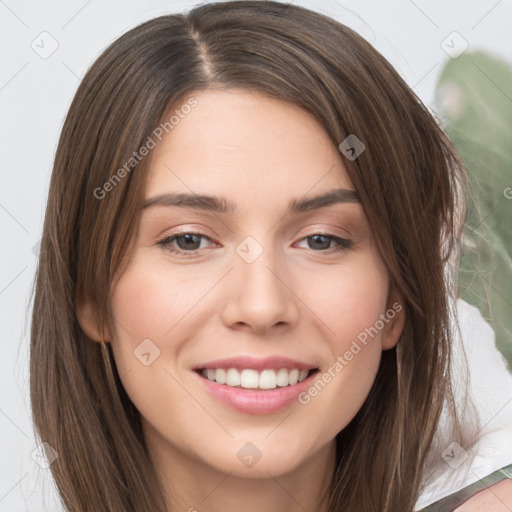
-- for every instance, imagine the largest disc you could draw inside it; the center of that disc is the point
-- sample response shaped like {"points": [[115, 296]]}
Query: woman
{"points": [[241, 291]]}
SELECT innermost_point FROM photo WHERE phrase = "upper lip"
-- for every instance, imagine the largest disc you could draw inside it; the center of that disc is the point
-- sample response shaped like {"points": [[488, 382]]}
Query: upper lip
{"points": [[267, 363]]}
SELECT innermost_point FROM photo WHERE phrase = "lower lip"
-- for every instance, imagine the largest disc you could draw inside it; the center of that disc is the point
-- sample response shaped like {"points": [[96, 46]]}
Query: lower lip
{"points": [[251, 401]]}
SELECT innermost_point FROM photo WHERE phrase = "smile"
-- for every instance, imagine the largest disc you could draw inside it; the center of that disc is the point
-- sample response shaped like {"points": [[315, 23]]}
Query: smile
{"points": [[252, 379], [255, 386]]}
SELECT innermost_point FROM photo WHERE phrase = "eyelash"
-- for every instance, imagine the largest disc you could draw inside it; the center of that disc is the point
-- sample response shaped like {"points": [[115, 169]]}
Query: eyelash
{"points": [[343, 243]]}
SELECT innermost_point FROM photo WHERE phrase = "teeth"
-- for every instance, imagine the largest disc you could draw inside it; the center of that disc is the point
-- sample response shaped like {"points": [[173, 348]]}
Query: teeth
{"points": [[282, 377], [268, 379], [232, 377], [252, 379], [219, 376], [249, 379]]}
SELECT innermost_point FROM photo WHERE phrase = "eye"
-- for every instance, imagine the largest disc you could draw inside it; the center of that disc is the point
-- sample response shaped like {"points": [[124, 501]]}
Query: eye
{"points": [[188, 243], [322, 241]]}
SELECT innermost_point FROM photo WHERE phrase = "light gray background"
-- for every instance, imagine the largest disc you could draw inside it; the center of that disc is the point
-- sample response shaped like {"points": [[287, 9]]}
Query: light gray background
{"points": [[35, 94]]}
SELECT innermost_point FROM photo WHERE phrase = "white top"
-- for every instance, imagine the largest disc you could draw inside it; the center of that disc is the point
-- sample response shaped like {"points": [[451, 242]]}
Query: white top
{"points": [[483, 372]]}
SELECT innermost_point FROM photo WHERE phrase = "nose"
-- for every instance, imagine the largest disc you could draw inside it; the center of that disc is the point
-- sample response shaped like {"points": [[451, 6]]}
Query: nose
{"points": [[260, 295]]}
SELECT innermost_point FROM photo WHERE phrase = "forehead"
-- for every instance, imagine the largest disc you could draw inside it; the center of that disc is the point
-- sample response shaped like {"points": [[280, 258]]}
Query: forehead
{"points": [[245, 145]]}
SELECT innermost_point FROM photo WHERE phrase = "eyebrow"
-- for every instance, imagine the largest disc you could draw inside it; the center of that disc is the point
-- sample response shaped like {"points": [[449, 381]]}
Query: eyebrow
{"points": [[218, 204]]}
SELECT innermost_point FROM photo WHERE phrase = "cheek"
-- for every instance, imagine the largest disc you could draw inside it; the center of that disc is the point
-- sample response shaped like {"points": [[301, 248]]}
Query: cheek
{"points": [[144, 310], [350, 304], [150, 302], [157, 311], [349, 301], [147, 312]]}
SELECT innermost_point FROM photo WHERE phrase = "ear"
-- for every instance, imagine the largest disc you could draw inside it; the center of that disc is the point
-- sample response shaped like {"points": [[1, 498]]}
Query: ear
{"points": [[89, 323], [395, 316]]}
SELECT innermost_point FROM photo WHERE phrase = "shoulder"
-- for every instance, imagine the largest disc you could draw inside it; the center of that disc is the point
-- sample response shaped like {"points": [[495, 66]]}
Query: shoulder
{"points": [[496, 498], [492, 493]]}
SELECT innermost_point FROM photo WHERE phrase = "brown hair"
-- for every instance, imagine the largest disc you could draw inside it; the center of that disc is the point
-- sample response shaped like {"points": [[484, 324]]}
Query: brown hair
{"points": [[410, 182]]}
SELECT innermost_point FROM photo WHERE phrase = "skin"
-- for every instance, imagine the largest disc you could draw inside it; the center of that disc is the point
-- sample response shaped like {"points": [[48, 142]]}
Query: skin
{"points": [[299, 298], [497, 498]]}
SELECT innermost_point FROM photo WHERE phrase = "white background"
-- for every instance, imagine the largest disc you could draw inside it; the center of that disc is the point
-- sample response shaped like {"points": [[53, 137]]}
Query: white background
{"points": [[35, 94]]}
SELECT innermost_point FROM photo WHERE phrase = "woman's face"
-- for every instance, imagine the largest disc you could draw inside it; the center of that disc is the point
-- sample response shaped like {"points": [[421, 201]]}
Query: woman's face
{"points": [[255, 286]]}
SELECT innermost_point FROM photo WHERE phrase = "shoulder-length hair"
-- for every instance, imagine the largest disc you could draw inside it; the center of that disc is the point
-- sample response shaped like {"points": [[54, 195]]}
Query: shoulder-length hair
{"points": [[410, 182]]}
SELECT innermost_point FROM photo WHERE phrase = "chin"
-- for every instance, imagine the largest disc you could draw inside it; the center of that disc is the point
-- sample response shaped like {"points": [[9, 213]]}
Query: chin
{"points": [[259, 457]]}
